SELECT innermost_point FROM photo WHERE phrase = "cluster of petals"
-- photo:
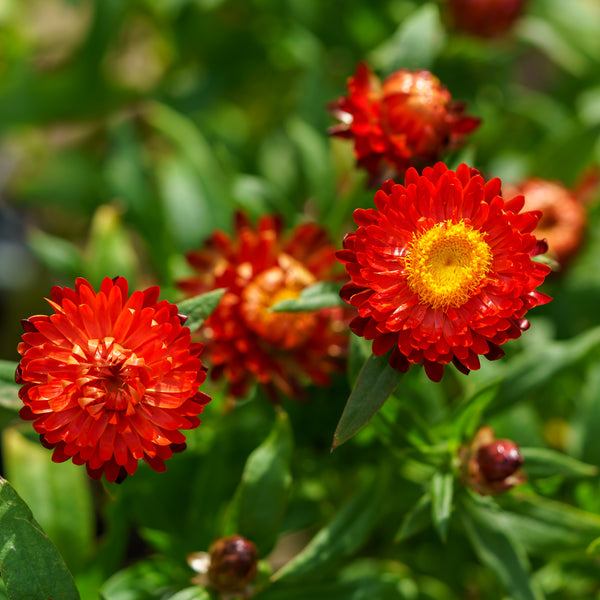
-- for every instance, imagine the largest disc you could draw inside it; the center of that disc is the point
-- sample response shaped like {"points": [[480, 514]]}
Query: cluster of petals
{"points": [[246, 342], [485, 18], [476, 281], [409, 120], [110, 379]]}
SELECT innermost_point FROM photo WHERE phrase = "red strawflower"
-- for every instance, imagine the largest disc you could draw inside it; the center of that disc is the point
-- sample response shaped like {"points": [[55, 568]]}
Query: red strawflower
{"points": [[564, 215], [245, 341], [441, 270], [109, 380], [485, 18], [408, 121]]}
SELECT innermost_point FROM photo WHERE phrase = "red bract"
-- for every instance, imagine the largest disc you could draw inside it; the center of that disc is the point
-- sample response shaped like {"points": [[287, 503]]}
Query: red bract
{"points": [[245, 340], [109, 380], [408, 121], [485, 18], [441, 270]]}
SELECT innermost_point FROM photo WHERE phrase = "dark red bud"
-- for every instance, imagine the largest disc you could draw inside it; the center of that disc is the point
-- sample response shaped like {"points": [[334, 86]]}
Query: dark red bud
{"points": [[233, 563], [499, 460]]}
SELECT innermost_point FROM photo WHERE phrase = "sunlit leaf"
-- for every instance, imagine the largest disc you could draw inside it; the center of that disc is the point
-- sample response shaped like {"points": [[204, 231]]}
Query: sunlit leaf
{"points": [[416, 519], [342, 536], [415, 44], [260, 501], [545, 462], [58, 494], [31, 566], [191, 593], [199, 308], [324, 294], [375, 383], [497, 548], [545, 525], [441, 491]]}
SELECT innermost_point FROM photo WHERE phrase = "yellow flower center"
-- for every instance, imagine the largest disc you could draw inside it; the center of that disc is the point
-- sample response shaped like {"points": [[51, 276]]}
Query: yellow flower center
{"points": [[447, 263], [281, 282]]}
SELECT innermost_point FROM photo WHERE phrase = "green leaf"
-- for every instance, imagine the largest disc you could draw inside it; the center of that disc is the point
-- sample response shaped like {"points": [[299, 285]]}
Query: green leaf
{"points": [[364, 588], [59, 255], [150, 579], [376, 382], [58, 494], [32, 568], [324, 294], [531, 369], [545, 525], [341, 537], [416, 519], [497, 549], [545, 462], [441, 490], [199, 308], [110, 251], [415, 44], [467, 418], [259, 504], [9, 391], [191, 593]]}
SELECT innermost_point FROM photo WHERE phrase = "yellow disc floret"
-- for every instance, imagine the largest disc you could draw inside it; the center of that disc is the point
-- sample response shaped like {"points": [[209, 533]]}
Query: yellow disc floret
{"points": [[446, 264]]}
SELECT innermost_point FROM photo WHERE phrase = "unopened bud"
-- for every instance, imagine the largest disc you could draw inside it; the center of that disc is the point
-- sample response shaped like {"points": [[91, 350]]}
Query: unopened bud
{"points": [[233, 563], [499, 460], [491, 466]]}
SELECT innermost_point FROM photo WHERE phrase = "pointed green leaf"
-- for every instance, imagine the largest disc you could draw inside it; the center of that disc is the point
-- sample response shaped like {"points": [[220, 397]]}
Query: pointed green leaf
{"points": [[191, 593], [376, 381], [341, 537], [260, 501], [58, 494], [441, 490], [545, 462], [545, 525], [415, 44], [32, 568], [199, 308], [9, 391], [324, 294], [497, 549], [416, 519]]}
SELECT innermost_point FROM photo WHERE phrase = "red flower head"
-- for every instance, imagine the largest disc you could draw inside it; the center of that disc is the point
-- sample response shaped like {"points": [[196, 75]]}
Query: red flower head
{"points": [[563, 215], [441, 270], [246, 342], [408, 121], [485, 18], [109, 380]]}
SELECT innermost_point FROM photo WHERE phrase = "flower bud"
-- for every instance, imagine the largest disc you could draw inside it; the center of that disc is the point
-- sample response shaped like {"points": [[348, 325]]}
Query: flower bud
{"points": [[499, 460], [491, 466], [233, 563], [485, 18]]}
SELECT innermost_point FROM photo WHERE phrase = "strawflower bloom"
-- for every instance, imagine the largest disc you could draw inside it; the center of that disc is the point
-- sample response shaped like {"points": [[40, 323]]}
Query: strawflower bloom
{"points": [[110, 379], [485, 18], [489, 465], [441, 270], [564, 215], [245, 340], [409, 120]]}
